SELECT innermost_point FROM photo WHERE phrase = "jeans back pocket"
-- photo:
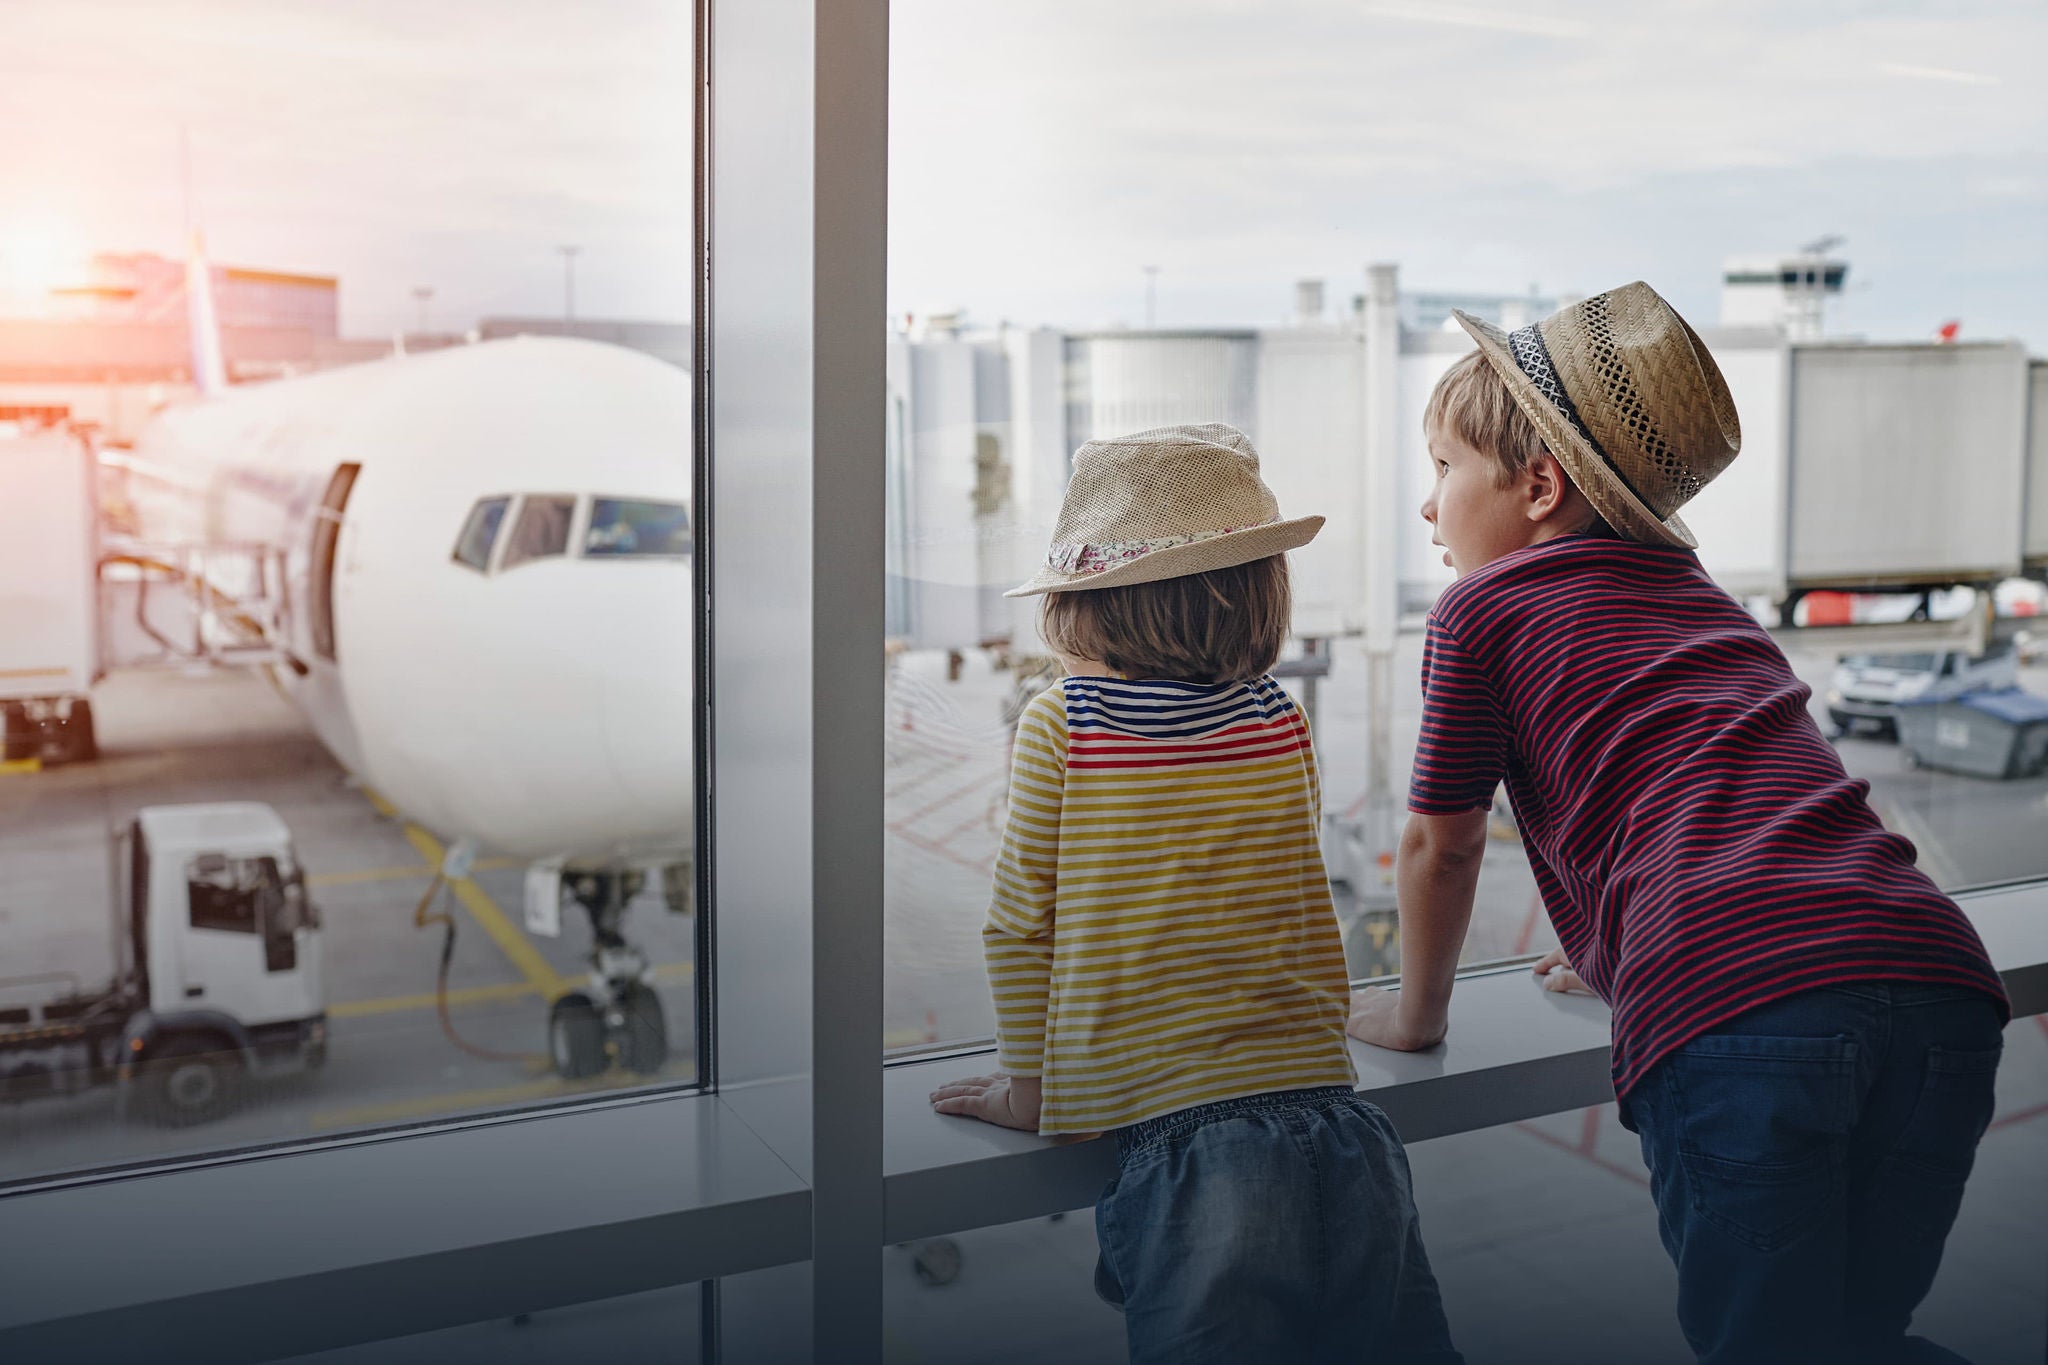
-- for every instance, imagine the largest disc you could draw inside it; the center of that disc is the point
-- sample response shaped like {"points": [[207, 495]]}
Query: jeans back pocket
{"points": [[1762, 1129]]}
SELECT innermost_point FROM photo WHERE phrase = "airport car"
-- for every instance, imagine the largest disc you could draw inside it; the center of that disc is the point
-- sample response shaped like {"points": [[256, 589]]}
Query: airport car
{"points": [[1866, 688]]}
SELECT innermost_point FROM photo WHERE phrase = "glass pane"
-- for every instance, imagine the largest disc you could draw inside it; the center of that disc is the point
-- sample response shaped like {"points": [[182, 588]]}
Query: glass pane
{"points": [[1065, 267], [480, 532], [636, 528], [352, 833], [542, 530]]}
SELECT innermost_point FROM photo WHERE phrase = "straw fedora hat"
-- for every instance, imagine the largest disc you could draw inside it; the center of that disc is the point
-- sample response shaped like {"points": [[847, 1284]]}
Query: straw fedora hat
{"points": [[1626, 396], [1160, 504]]}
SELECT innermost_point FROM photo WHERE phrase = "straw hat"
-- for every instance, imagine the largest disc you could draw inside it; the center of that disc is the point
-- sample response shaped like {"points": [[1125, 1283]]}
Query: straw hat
{"points": [[1164, 504], [1626, 396]]}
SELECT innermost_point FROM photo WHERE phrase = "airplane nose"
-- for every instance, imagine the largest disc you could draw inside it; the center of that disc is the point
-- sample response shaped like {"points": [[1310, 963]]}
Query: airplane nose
{"points": [[544, 710]]}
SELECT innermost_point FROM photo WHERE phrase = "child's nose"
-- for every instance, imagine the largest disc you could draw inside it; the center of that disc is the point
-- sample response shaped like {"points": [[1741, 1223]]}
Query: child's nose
{"points": [[1429, 509]]}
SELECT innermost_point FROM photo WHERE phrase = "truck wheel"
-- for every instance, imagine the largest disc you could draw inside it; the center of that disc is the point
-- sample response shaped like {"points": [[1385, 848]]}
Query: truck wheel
{"points": [[81, 743], [190, 1080], [576, 1037], [645, 1035]]}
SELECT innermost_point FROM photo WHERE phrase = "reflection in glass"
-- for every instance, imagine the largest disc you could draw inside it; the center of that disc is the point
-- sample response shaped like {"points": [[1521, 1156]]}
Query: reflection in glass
{"points": [[622, 527], [541, 531]]}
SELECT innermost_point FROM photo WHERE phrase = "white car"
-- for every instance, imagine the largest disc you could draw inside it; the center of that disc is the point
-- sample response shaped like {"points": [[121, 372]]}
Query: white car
{"points": [[1866, 688]]}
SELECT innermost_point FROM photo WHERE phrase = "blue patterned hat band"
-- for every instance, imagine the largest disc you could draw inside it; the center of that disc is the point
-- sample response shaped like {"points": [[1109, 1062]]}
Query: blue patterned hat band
{"points": [[1532, 357]]}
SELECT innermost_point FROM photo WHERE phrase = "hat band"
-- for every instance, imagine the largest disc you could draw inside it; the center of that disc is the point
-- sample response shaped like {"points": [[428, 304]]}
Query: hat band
{"points": [[1532, 358], [1083, 557]]}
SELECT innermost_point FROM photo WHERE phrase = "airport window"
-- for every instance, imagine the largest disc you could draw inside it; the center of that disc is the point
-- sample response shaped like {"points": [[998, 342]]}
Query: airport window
{"points": [[1059, 272], [480, 532], [541, 531], [631, 527], [428, 841]]}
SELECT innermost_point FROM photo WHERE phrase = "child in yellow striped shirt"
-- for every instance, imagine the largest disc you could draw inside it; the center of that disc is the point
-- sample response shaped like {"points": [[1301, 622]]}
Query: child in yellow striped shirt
{"points": [[1161, 945]]}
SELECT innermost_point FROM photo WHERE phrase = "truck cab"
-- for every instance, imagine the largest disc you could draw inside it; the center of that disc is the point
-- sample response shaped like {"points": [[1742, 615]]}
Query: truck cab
{"points": [[220, 945], [1866, 688]]}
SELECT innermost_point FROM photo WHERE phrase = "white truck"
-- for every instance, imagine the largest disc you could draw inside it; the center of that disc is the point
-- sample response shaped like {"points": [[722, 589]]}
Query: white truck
{"points": [[216, 980]]}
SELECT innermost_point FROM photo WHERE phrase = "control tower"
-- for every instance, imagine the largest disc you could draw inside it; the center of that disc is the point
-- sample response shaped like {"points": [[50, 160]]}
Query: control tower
{"points": [[1787, 292]]}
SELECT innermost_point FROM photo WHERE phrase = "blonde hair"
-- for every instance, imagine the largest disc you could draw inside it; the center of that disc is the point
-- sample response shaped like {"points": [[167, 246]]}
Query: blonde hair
{"points": [[1471, 404], [1225, 625]]}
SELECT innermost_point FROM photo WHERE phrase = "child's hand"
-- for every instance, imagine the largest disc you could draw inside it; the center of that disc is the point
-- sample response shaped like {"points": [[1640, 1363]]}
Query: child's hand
{"points": [[1007, 1101], [1376, 1018], [1557, 974]]}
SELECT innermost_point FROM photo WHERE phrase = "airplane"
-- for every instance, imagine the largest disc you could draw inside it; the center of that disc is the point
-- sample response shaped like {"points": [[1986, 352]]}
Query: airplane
{"points": [[488, 578]]}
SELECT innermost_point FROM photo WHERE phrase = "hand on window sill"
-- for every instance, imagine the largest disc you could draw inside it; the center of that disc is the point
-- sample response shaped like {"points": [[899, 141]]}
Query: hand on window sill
{"points": [[1006, 1101], [1377, 1018], [1557, 974]]}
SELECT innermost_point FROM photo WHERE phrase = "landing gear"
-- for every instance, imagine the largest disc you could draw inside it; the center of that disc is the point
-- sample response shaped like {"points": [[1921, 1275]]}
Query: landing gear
{"points": [[620, 1016]]}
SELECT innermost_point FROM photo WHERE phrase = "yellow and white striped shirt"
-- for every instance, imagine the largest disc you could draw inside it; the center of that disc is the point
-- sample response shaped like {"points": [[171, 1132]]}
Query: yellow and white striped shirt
{"points": [[1161, 933]]}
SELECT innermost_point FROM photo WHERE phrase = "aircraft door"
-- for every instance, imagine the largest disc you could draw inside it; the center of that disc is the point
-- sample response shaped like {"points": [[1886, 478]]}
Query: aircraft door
{"points": [[320, 571]]}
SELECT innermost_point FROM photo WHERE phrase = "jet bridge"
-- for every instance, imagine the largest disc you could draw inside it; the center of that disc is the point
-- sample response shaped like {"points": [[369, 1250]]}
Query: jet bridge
{"points": [[77, 602]]}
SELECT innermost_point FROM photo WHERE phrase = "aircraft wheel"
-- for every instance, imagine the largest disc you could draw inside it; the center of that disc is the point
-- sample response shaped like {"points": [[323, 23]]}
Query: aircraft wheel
{"points": [[190, 1080], [576, 1037], [645, 1035]]}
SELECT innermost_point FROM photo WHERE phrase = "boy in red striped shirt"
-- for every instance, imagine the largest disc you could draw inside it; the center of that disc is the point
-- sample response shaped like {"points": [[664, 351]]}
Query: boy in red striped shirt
{"points": [[1806, 1030]]}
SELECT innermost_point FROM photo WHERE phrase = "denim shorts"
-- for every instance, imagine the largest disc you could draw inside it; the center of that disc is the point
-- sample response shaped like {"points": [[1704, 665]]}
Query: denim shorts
{"points": [[1273, 1227]]}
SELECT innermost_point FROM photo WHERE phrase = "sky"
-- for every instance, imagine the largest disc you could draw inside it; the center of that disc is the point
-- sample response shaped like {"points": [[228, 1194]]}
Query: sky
{"points": [[1044, 154]]}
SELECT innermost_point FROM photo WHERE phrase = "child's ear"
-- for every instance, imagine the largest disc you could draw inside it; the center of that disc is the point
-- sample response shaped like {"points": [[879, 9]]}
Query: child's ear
{"points": [[1547, 487]]}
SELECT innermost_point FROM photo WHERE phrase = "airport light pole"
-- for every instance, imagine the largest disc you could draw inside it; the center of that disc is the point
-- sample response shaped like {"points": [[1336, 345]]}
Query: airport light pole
{"points": [[569, 251], [422, 294]]}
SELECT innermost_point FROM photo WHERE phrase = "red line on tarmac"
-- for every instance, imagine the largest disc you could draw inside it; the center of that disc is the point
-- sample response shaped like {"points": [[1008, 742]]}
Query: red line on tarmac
{"points": [[1356, 806], [948, 799], [951, 761], [2020, 1116], [978, 819], [1589, 1130], [986, 868], [1592, 1158]]}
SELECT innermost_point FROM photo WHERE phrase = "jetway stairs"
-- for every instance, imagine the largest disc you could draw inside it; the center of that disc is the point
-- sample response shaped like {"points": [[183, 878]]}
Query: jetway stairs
{"points": [[165, 604]]}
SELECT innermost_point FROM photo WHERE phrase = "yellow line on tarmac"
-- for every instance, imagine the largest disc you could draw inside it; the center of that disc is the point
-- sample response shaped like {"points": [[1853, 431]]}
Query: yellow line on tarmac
{"points": [[442, 1105], [517, 948], [393, 874], [481, 995]]}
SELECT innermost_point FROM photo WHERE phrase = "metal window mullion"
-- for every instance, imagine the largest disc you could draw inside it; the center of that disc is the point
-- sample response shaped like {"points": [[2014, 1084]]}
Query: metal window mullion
{"points": [[848, 610]]}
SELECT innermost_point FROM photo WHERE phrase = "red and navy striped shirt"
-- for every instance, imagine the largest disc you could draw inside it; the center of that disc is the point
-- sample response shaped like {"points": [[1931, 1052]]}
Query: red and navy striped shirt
{"points": [[1697, 843]]}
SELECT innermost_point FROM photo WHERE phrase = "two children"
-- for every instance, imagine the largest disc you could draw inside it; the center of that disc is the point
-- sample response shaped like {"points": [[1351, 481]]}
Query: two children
{"points": [[1161, 944], [1806, 1030]]}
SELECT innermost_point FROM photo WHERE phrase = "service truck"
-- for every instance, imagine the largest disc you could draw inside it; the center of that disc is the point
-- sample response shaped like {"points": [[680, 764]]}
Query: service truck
{"points": [[216, 980]]}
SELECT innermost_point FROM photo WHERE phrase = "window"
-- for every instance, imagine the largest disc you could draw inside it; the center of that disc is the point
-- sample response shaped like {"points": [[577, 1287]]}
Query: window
{"points": [[238, 895], [449, 819], [622, 528], [1066, 268], [542, 530], [480, 533]]}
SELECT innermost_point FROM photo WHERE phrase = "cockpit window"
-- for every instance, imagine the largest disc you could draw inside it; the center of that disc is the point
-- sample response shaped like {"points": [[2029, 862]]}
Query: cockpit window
{"points": [[480, 532], [636, 526], [542, 529]]}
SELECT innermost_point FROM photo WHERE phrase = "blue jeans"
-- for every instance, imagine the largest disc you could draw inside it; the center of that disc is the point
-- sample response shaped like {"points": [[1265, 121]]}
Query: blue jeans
{"points": [[1808, 1158], [1277, 1227]]}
